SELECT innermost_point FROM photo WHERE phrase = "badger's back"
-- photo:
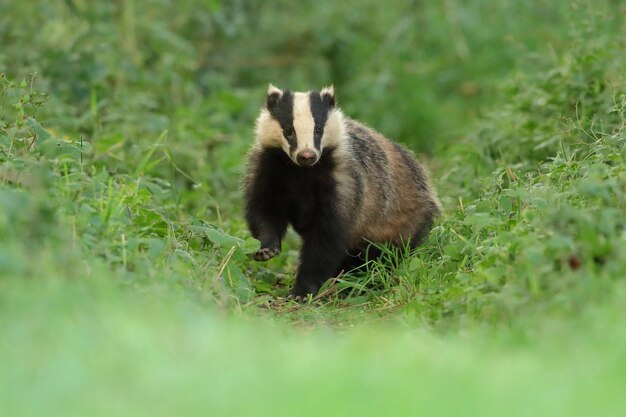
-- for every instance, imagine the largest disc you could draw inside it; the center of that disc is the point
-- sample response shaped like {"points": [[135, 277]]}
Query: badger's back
{"points": [[389, 194]]}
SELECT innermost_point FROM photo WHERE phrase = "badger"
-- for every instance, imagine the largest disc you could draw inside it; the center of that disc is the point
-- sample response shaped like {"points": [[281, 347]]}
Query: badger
{"points": [[340, 184]]}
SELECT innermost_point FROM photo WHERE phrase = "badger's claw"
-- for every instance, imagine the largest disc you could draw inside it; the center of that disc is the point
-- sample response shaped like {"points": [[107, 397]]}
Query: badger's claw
{"points": [[264, 254], [299, 298]]}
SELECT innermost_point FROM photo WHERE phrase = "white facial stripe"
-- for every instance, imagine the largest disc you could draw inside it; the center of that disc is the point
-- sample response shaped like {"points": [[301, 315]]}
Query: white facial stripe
{"points": [[303, 121], [268, 131], [334, 129]]}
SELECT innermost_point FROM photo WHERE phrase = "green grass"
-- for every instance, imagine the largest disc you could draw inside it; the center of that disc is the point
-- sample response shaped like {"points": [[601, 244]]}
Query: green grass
{"points": [[93, 349], [126, 283]]}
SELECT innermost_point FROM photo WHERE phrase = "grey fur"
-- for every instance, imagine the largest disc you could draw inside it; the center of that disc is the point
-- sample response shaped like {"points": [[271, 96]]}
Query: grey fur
{"points": [[390, 195]]}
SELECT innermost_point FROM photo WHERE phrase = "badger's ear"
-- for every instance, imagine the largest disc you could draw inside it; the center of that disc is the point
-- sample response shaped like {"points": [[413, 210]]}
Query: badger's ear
{"points": [[272, 89], [273, 95], [328, 96]]}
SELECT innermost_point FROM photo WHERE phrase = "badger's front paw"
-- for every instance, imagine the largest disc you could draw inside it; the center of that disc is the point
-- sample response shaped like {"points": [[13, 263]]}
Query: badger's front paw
{"points": [[301, 292], [301, 298], [264, 254]]}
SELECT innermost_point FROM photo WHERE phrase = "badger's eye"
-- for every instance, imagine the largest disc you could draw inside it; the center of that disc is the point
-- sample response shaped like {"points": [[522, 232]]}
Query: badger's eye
{"points": [[318, 130], [288, 131]]}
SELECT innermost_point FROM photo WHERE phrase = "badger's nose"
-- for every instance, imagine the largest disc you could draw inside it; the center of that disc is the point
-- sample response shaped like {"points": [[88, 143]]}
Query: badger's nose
{"points": [[306, 158]]}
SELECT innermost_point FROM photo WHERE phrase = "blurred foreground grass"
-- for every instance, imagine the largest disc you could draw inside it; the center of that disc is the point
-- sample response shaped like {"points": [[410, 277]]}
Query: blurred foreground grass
{"points": [[92, 349], [126, 285]]}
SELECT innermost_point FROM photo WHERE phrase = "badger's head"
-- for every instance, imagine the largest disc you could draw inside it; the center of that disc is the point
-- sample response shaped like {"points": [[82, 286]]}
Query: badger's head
{"points": [[302, 124]]}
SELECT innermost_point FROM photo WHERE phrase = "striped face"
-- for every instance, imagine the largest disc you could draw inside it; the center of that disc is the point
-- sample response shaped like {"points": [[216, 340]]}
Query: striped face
{"points": [[301, 123]]}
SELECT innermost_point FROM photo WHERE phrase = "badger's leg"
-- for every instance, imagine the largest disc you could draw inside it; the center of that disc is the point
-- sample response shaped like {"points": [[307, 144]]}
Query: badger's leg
{"points": [[353, 260], [270, 230], [421, 235], [323, 250], [267, 221]]}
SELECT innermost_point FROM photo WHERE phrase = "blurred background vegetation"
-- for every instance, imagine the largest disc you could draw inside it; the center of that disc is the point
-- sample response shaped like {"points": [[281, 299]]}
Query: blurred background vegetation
{"points": [[124, 258], [417, 70]]}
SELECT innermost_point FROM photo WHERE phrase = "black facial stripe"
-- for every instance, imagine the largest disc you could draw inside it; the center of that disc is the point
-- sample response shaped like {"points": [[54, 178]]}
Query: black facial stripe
{"points": [[320, 106], [293, 143], [281, 110]]}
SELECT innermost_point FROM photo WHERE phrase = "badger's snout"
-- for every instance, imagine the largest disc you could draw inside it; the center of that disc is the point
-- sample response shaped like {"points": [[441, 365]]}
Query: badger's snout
{"points": [[306, 158]]}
